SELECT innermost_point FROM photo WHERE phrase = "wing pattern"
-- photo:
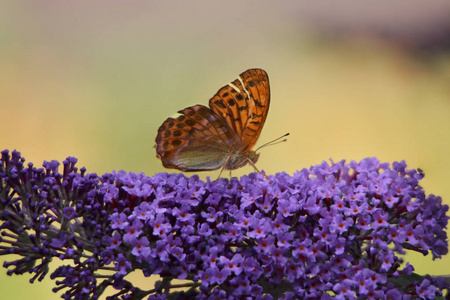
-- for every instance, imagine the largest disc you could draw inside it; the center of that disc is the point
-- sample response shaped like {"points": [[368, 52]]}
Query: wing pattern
{"points": [[244, 104]]}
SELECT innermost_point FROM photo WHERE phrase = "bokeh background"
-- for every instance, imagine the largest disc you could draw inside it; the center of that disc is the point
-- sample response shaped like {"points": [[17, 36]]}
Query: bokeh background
{"points": [[349, 79]]}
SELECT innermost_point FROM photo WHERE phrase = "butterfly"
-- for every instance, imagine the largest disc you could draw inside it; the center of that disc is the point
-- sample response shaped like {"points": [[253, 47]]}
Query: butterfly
{"points": [[221, 135]]}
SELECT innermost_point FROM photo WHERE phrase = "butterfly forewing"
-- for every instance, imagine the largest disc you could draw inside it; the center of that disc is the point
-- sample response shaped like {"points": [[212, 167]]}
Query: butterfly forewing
{"points": [[244, 104], [203, 138]]}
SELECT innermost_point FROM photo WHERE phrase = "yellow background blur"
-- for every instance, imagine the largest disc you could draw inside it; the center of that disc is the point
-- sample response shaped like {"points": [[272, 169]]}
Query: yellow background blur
{"points": [[95, 79]]}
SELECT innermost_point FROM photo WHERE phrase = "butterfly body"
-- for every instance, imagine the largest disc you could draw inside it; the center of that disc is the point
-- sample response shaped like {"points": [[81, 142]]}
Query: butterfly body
{"points": [[221, 135], [237, 160]]}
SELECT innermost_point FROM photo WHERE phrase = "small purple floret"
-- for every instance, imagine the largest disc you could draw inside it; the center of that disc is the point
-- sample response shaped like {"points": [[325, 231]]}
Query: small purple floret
{"points": [[334, 231]]}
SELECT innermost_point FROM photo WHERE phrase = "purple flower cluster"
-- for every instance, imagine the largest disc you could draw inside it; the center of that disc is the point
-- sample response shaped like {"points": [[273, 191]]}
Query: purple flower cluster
{"points": [[334, 231]]}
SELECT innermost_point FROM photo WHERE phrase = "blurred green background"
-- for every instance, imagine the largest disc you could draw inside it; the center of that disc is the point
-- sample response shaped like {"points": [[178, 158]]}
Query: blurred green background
{"points": [[95, 80]]}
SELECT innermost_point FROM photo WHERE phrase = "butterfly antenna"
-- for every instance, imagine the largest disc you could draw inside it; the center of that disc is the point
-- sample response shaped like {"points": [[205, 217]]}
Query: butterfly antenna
{"points": [[274, 142]]}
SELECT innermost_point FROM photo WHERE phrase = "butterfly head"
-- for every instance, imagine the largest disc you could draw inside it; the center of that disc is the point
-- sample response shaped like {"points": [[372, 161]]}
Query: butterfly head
{"points": [[253, 156]]}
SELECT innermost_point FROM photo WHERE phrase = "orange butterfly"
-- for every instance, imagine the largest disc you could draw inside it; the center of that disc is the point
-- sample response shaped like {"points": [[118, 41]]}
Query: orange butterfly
{"points": [[221, 136]]}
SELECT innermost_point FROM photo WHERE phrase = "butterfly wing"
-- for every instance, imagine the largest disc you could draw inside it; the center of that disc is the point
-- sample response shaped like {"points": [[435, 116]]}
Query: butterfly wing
{"points": [[197, 140], [243, 105]]}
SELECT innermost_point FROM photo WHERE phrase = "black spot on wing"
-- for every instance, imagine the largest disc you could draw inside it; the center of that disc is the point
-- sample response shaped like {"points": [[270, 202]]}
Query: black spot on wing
{"points": [[190, 122], [220, 103], [176, 143], [167, 134], [258, 103]]}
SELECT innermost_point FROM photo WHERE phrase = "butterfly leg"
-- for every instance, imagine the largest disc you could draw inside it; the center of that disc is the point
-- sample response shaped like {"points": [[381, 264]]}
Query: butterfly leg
{"points": [[256, 169], [223, 167], [221, 170]]}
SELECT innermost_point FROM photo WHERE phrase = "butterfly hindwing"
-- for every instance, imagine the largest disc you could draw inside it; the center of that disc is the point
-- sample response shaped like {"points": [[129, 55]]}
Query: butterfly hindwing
{"points": [[196, 140]]}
